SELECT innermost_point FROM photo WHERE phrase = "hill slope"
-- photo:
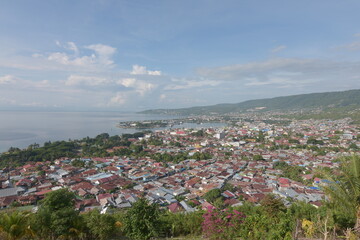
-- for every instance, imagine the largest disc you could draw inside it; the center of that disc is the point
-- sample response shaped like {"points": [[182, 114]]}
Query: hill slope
{"points": [[303, 101]]}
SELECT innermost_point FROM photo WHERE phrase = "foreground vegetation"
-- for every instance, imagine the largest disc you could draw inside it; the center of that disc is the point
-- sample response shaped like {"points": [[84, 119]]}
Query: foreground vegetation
{"points": [[57, 218]]}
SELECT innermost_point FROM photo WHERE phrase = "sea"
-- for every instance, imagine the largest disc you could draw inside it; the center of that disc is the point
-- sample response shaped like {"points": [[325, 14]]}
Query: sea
{"points": [[20, 129]]}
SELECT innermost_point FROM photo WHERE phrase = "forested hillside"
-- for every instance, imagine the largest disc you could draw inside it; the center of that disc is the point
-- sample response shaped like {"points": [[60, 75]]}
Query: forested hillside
{"points": [[303, 101]]}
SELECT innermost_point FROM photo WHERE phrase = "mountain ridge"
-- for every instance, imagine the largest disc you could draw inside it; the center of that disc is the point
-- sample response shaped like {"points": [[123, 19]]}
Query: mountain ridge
{"points": [[292, 102]]}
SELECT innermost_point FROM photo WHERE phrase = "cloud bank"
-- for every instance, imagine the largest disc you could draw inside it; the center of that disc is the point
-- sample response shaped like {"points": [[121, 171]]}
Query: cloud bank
{"points": [[89, 76]]}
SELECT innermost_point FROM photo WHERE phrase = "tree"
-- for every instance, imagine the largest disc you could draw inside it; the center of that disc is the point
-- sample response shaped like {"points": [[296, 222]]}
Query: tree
{"points": [[142, 221], [272, 205], [222, 224], [258, 158], [56, 214], [136, 148], [199, 133], [212, 195], [344, 191], [78, 163], [353, 146], [101, 226], [183, 224], [260, 137], [15, 225]]}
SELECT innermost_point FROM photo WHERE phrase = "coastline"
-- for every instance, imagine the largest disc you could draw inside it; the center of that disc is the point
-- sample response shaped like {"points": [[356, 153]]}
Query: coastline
{"points": [[20, 129]]}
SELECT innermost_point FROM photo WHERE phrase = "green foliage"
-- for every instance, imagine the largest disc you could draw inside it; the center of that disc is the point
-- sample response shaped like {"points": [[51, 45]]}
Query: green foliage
{"points": [[315, 141], [199, 133], [294, 141], [34, 153], [228, 187], [155, 141], [178, 224], [272, 205], [41, 173], [56, 214], [101, 226], [290, 171], [123, 152], [222, 224], [136, 148], [202, 156], [167, 157], [176, 144], [78, 163], [86, 147], [142, 221], [302, 210], [353, 146], [180, 198], [15, 225], [259, 225], [344, 193], [258, 157], [260, 137], [212, 195]]}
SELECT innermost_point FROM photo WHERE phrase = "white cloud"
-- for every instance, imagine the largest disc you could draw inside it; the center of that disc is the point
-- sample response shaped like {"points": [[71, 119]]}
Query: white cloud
{"points": [[119, 99], [76, 80], [127, 82], [187, 84], [284, 65], [141, 70], [163, 97], [138, 70], [299, 75], [101, 56], [7, 101], [66, 59], [141, 87], [37, 55], [33, 104], [72, 46], [144, 87], [7, 79], [154, 73], [278, 49], [354, 46], [280, 81], [103, 52]]}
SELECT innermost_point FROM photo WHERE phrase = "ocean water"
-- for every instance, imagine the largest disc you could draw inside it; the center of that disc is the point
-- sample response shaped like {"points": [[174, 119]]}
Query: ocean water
{"points": [[20, 129]]}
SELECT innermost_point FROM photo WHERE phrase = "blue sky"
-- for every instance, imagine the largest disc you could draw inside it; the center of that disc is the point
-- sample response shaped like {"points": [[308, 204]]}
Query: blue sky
{"points": [[140, 54]]}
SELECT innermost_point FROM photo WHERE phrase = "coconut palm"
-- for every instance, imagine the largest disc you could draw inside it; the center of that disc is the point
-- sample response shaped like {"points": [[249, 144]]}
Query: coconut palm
{"points": [[15, 225], [344, 189]]}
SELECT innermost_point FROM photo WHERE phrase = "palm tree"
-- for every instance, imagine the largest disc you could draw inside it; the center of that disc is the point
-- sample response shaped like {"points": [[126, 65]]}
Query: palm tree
{"points": [[344, 189], [15, 225]]}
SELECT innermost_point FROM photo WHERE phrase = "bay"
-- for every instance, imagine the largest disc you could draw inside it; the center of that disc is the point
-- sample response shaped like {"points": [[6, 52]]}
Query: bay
{"points": [[20, 129]]}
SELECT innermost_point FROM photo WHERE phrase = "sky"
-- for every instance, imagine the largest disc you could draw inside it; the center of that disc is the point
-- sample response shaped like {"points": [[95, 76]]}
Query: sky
{"points": [[133, 55]]}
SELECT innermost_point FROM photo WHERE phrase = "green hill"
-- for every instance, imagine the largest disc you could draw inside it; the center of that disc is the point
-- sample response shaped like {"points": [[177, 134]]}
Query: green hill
{"points": [[303, 101]]}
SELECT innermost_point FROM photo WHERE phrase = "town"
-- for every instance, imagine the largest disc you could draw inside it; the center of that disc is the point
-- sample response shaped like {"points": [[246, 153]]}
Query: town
{"points": [[243, 163]]}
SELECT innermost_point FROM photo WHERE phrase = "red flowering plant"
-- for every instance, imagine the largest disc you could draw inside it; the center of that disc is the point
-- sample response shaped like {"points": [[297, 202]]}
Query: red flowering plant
{"points": [[221, 224]]}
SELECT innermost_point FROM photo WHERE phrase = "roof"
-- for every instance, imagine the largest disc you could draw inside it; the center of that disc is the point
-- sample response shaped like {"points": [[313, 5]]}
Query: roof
{"points": [[9, 192], [175, 207]]}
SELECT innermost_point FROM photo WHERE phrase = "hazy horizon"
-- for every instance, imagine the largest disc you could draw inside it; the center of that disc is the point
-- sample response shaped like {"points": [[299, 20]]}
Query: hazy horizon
{"points": [[105, 110]]}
